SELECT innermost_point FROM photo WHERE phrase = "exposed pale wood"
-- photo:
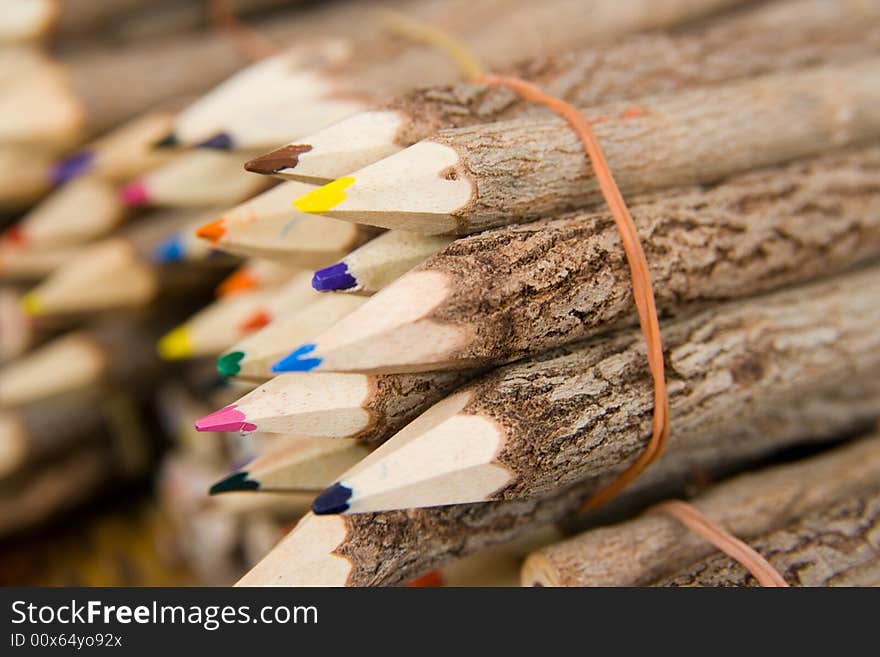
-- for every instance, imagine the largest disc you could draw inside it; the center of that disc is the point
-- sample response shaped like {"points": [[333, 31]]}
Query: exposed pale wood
{"points": [[654, 547], [509, 292], [268, 226], [302, 464], [387, 257], [586, 412], [201, 179], [466, 180], [287, 331], [128, 151], [368, 408], [215, 327], [79, 212], [769, 37], [119, 272]]}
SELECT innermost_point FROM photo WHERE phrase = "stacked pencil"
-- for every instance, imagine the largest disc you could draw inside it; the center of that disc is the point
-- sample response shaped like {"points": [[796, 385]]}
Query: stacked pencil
{"points": [[400, 301]]}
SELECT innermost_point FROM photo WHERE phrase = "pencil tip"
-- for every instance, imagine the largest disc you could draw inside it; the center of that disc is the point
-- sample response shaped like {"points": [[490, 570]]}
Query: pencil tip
{"points": [[168, 141], [171, 250], [221, 142], [212, 231], [332, 501], [237, 481], [256, 321], [238, 281], [31, 304], [334, 277], [175, 345], [230, 364], [134, 194], [286, 157], [324, 198], [72, 167], [228, 418], [294, 361]]}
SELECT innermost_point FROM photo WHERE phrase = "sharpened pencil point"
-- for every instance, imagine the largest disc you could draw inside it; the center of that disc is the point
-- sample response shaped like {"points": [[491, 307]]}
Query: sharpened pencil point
{"points": [[324, 198], [31, 304], [237, 481], [171, 250], [332, 501], [228, 418], [256, 321], [134, 194], [72, 167], [238, 281], [221, 142], [168, 141], [175, 345], [334, 277], [230, 364], [212, 231], [286, 157], [294, 361]]}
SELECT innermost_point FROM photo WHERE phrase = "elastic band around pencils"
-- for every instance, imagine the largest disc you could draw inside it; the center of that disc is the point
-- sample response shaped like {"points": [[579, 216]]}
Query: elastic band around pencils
{"points": [[693, 519]]}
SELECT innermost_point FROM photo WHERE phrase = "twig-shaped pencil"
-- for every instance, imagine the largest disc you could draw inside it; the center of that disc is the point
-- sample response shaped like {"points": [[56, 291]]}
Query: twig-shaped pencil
{"points": [[79, 212], [253, 357], [377, 263], [268, 226], [466, 180], [770, 37], [294, 96], [369, 408], [482, 299], [119, 272], [808, 551], [197, 179], [582, 412], [214, 328], [294, 464], [750, 505]]}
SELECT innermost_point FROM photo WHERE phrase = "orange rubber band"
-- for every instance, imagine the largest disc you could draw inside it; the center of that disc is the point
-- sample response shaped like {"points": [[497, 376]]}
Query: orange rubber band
{"points": [[643, 293], [693, 519], [246, 40]]}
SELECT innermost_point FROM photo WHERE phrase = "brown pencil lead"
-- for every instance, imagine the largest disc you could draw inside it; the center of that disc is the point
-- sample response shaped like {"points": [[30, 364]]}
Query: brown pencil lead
{"points": [[286, 157]]}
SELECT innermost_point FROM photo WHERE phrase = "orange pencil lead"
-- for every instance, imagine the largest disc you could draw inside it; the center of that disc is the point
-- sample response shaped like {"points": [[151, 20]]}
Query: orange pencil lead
{"points": [[256, 321], [237, 282], [212, 231]]}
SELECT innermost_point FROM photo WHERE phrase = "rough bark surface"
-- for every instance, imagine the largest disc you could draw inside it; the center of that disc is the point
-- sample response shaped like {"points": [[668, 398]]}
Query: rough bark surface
{"points": [[654, 547], [528, 169], [548, 283], [838, 545], [768, 39], [586, 411], [397, 399], [394, 547]]}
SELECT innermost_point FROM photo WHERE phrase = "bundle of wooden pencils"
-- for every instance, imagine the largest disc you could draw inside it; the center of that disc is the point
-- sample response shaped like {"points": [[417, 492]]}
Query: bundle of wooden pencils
{"points": [[429, 348]]}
